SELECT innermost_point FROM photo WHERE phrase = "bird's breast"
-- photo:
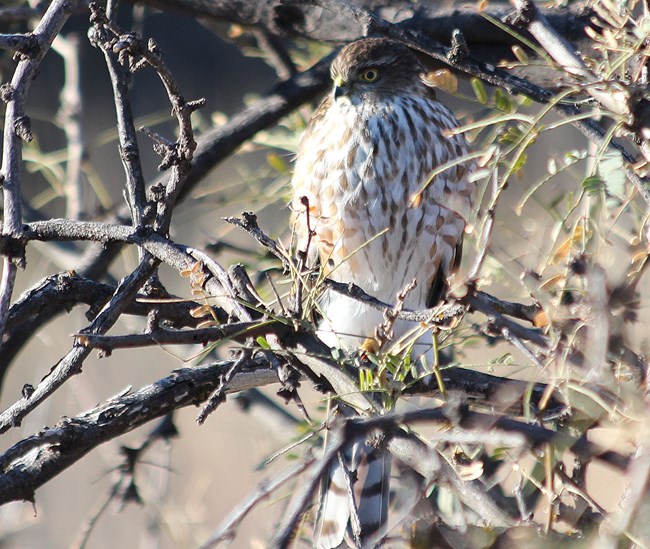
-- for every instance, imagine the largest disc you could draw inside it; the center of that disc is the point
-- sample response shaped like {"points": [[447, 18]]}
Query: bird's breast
{"points": [[364, 171]]}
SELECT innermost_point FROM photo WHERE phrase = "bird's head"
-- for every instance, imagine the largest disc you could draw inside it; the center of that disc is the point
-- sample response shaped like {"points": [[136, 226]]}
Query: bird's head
{"points": [[373, 67]]}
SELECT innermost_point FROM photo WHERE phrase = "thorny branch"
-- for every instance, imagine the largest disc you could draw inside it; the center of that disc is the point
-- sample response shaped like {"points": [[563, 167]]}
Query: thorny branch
{"points": [[104, 36], [21, 477]]}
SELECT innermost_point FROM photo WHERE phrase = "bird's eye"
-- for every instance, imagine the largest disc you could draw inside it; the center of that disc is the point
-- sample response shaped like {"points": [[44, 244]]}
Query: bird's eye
{"points": [[369, 75]]}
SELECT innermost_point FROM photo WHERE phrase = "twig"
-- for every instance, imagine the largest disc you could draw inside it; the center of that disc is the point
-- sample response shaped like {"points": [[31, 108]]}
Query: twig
{"points": [[94, 265], [26, 45], [530, 18], [219, 143], [65, 290], [125, 487], [103, 36], [295, 300], [285, 532], [218, 396], [483, 246], [235, 331], [248, 223], [571, 486], [516, 341], [425, 460], [179, 257], [96, 512], [276, 54], [465, 418], [233, 305]]}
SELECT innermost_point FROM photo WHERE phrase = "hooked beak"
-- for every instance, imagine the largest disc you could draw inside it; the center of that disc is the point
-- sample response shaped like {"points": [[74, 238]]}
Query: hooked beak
{"points": [[340, 87]]}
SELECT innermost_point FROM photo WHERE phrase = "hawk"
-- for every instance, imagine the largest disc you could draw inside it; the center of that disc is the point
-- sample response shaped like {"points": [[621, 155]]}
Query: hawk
{"points": [[364, 185]]}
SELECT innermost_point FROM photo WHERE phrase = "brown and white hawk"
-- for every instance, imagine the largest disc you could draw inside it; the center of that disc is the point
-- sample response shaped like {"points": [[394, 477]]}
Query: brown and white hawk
{"points": [[362, 168]]}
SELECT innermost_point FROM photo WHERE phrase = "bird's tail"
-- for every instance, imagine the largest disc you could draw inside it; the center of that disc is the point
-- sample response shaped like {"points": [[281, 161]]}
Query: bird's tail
{"points": [[354, 497]]}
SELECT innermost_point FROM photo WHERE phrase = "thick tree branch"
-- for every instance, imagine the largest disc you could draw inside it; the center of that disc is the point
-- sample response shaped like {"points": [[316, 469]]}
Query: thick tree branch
{"points": [[72, 438], [310, 20]]}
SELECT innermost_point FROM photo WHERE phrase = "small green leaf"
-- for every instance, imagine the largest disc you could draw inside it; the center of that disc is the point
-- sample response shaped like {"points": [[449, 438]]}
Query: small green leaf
{"points": [[502, 101], [479, 91], [592, 185], [366, 379], [511, 136], [261, 341], [520, 163]]}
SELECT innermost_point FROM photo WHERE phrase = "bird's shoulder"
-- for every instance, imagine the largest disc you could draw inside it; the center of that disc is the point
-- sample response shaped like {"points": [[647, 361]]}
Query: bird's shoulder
{"points": [[318, 115]]}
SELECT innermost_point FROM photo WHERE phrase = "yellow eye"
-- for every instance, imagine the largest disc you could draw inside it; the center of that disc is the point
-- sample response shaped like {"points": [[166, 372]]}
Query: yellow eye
{"points": [[369, 75]]}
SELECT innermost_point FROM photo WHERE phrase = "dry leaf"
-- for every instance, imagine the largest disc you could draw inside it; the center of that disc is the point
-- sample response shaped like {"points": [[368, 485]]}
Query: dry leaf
{"points": [[201, 311], [565, 248], [540, 319], [443, 79]]}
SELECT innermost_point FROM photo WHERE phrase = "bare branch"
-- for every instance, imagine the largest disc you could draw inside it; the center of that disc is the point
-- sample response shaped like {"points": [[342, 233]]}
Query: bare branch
{"points": [[26, 45], [105, 37], [66, 290], [17, 128], [235, 331], [71, 364], [22, 475]]}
